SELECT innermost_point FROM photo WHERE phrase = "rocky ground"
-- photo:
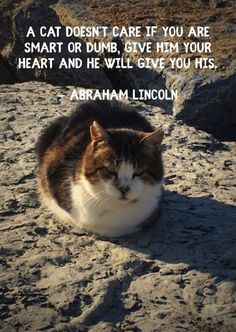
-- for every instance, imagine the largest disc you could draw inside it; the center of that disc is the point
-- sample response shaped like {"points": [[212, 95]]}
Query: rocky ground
{"points": [[179, 275]]}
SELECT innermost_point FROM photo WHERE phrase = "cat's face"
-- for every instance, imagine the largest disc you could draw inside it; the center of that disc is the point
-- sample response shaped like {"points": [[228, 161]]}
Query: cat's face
{"points": [[123, 164]]}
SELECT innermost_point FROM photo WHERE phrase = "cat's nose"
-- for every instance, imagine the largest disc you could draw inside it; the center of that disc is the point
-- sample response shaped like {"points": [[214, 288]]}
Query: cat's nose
{"points": [[124, 189]]}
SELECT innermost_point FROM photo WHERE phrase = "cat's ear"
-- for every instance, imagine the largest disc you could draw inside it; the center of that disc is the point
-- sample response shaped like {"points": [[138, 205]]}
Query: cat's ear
{"points": [[153, 139], [98, 134]]}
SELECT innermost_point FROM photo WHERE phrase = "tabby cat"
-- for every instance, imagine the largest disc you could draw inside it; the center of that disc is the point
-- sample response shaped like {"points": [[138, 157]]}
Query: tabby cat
{"points": [[101, 168]]}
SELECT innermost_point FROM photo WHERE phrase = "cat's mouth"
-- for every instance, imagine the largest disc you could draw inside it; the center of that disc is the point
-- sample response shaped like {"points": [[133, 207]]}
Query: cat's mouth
{"points": [[125, 199], [122, 199]]}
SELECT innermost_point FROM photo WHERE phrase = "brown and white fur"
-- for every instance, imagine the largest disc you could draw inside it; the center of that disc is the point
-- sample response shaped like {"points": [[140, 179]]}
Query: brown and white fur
{"points": [[101, 168]]}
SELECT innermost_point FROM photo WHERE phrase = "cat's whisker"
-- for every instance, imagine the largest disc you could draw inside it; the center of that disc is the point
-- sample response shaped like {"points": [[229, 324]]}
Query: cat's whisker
{"points": [[106, 200], [98, 202]]}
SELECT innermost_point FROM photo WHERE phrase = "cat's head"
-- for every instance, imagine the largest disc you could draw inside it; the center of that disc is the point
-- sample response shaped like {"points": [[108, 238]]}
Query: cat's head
{"points": [[123, 163]]}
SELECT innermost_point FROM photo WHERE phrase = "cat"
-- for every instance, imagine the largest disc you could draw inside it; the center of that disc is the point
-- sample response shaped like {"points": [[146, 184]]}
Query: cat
{"points": [[101, 168]]}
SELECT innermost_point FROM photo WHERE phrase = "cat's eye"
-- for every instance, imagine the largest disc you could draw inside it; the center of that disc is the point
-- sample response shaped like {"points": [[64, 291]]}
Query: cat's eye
{"points": [[138, 173], [110, 171]]}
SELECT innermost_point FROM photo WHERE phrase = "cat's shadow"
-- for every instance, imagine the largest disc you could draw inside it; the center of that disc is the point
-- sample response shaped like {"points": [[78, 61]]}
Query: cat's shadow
{"points": [[198, 231], [194, 233]]}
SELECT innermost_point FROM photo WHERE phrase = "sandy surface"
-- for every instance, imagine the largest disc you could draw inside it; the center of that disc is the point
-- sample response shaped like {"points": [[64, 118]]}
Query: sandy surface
{"points": [[179, 275]]}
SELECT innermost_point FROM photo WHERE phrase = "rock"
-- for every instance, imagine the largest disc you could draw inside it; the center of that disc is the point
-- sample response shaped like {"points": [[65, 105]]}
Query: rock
{"points": [[206, 98], [34, 318], [35, 14], [228, 259], [210, 105], [6, 75], [221, 3]]}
